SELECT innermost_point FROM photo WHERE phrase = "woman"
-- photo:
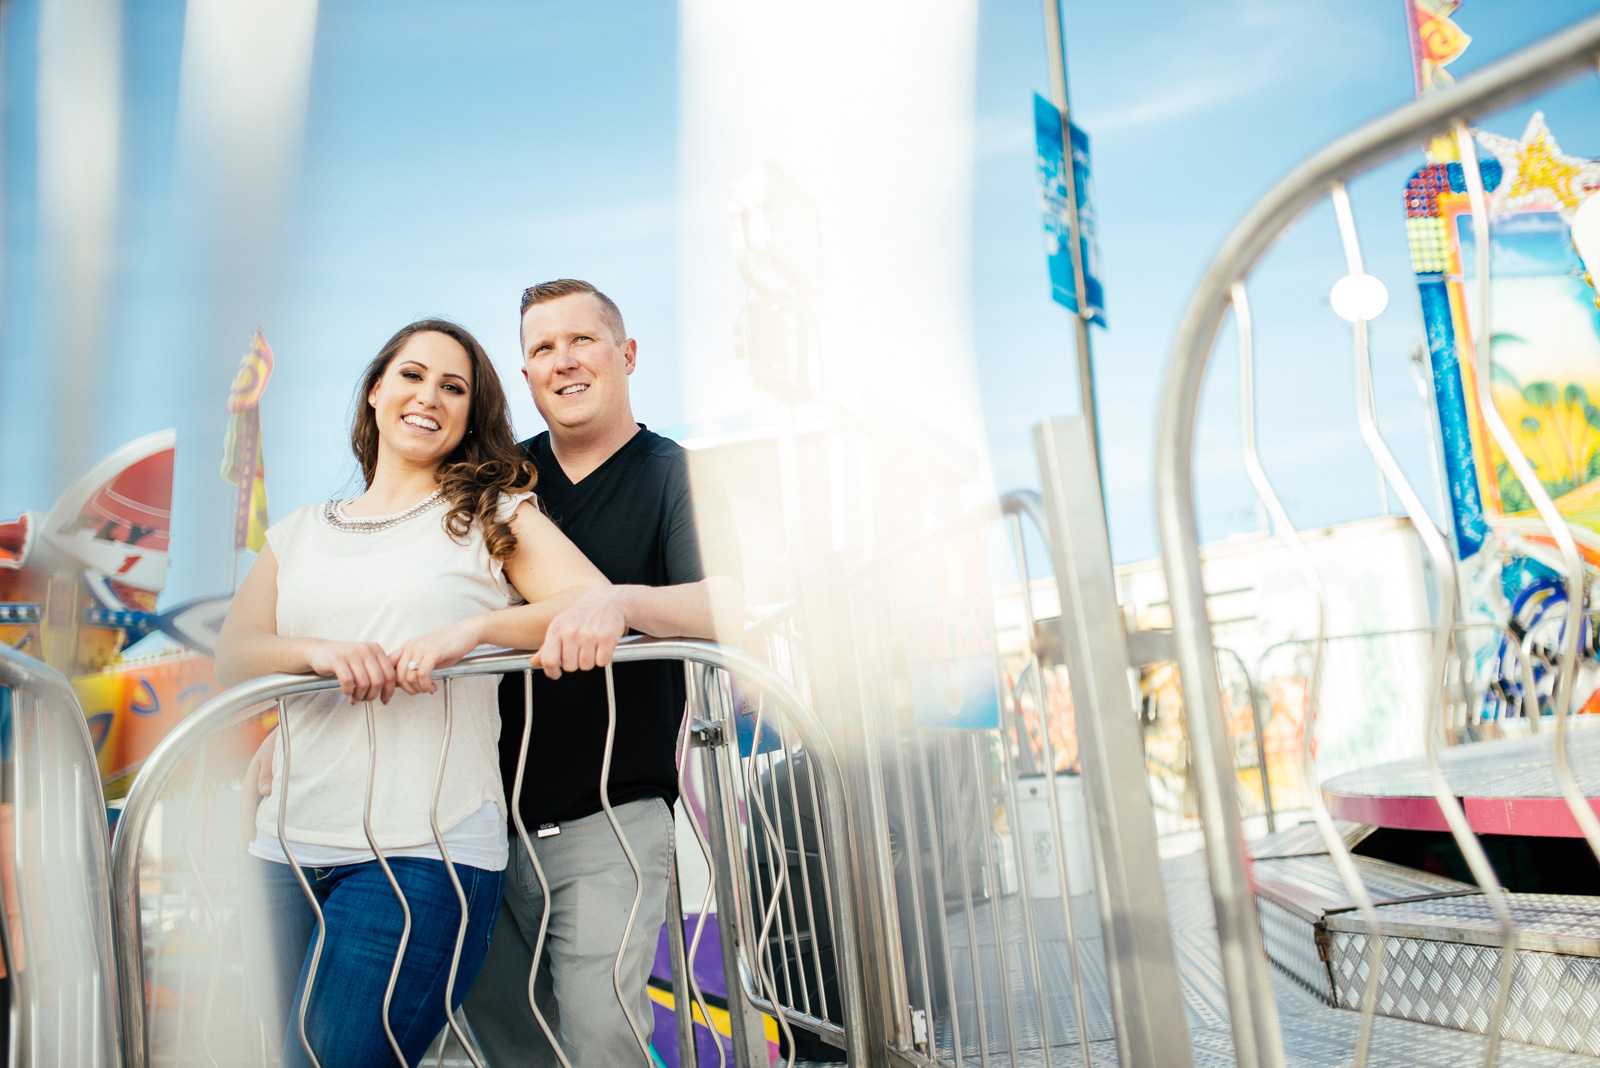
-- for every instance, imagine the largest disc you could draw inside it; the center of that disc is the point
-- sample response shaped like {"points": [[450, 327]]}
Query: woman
{"points": [[444, 552]]}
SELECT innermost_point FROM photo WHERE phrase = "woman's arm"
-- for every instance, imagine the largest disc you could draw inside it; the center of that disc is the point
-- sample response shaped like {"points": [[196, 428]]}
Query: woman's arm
{"points": [[546, 569], [249, 645]]}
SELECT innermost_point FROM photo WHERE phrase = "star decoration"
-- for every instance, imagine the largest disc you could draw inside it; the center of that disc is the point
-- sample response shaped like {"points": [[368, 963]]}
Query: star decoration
{"points": [[1538, 172]]}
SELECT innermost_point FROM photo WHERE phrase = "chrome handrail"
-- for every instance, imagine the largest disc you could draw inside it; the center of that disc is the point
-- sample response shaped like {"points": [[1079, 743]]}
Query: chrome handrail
{"points": [[237, 704], [40, 1003], [1252, 1007], [1530, 638], [1257, 734]]}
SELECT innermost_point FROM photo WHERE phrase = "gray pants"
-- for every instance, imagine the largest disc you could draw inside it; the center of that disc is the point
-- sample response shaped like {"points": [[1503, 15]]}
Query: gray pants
{"points": [[591, 891]]}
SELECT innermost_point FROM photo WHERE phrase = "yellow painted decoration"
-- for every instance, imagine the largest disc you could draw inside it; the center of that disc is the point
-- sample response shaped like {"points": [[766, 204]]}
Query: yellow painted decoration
{"points": [[23, 637], [1436, 42], [1539, 167], [132, 706], [1537, 173], [1430, 246], [719, 1017]]}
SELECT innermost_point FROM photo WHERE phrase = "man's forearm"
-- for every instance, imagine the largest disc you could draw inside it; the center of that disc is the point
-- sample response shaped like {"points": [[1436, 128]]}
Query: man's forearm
{"points": [[524, 626], [710, 608]]}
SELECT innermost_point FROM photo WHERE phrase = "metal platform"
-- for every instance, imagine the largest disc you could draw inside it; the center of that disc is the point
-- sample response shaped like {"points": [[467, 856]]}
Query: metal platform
{"points": [[1507, 786], [1305, 840], [1441, 947], [1317, 1034]]}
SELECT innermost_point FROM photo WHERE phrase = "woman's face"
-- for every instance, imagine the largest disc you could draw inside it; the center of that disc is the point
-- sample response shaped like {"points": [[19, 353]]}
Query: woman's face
{"points": [[424, 399]]}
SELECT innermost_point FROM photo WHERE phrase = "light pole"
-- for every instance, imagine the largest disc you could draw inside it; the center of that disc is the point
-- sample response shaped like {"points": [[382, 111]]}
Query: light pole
{"points": [[1056, 45]]}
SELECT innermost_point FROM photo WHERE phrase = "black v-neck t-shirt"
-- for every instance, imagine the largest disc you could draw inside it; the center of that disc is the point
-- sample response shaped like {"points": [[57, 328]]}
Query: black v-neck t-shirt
{"points": [[634, 518]]}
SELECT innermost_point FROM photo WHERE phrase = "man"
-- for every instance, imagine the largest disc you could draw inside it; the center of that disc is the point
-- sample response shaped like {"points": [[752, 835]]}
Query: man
{"points": [[621, 493]]}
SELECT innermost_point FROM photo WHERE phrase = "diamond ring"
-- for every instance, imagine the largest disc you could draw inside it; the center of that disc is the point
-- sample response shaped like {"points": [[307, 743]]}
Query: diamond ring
{"points": [[412, 665]]}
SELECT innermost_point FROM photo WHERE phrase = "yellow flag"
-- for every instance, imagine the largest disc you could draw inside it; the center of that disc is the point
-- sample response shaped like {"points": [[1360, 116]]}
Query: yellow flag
{"points": [[241, 454], [256, 531]]}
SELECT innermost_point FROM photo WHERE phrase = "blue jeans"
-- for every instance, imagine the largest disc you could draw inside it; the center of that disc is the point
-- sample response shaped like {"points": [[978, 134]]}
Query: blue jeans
{"points": [[344, 1018]]}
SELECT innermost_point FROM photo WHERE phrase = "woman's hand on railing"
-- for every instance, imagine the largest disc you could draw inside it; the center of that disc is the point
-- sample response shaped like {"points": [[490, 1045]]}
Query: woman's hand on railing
{"points": [[365, 672], [418, 658]]}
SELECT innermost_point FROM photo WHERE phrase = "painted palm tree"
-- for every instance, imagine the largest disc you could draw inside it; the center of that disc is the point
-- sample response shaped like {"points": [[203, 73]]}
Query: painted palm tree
{"points": [[1558, 428]]}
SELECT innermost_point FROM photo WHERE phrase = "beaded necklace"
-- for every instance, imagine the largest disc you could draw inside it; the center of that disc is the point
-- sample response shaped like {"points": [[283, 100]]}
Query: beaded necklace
{"points": [[332, 514]]}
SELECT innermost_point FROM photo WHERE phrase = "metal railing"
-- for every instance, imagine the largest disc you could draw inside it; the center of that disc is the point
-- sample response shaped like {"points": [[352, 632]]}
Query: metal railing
{"points": [[1017, 887], [55, 927], [1378, 682], [750, 878], [1252, 1007], [938, 896], [1166, 744]]}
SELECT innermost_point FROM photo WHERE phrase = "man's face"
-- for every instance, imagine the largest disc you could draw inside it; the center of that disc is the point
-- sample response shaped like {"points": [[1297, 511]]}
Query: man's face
{"points": [[576, 367]]}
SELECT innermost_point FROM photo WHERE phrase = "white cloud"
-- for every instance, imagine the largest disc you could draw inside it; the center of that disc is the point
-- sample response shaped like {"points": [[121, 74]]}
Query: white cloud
{"points": [[1178, 100], [1284, 43]]}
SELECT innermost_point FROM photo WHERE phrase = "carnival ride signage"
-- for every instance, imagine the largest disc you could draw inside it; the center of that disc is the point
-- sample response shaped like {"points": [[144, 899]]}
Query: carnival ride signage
{"points": [[1052, 165]]}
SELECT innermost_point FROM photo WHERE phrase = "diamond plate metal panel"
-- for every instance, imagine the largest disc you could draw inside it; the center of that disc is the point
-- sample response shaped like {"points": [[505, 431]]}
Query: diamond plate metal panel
{"points": [[1548, 923], [1305, 840], [1315, 1034], [1310, 885], [1204, 996], [1291, 944], [1317, 876], [1555, 997]]}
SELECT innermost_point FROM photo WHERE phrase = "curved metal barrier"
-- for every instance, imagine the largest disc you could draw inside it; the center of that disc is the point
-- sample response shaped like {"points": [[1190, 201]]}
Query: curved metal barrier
{"points": [[55, 930], [729, 839], [1252, 1007], [1016, 884], [1346, 660]]}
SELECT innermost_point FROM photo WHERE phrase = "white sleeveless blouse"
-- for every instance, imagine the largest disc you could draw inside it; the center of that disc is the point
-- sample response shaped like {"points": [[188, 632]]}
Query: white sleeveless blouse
{"points": [[387, 583]]}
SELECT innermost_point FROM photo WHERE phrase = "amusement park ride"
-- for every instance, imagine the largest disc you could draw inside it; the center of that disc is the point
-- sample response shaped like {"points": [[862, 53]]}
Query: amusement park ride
{"points": [[78, 590], [1017, 883]]}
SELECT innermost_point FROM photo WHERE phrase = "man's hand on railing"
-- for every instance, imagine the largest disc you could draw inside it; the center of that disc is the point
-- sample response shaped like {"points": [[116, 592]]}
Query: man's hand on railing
{"points": [[585, 634], [257, 784]]}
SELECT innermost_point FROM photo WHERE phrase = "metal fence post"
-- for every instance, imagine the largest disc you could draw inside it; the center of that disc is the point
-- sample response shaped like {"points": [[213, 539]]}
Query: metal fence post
{"points": [[745, 1028], [60, 949], [1142, 967], [682, 1005], [837, 696]]}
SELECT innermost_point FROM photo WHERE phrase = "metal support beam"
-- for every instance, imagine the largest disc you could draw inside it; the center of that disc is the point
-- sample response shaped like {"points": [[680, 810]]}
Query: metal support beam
{"points": [[1140, 960]]}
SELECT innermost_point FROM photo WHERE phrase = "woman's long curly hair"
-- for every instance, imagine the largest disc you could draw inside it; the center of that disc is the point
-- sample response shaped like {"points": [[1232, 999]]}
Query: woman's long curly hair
{"points": [[484, 464]]}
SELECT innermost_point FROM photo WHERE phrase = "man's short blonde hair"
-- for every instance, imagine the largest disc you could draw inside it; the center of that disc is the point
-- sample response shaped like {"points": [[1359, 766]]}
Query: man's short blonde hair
{"points": [[545, 292]]}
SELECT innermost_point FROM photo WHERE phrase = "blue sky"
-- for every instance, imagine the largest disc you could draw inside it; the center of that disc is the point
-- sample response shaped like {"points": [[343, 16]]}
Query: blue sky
{"points": [[1194, 111], [451, 159]]}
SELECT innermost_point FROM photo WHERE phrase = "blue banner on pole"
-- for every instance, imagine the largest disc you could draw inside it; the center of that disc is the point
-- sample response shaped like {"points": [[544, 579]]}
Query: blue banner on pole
{"points": [[1053, 200], [746, 710]]}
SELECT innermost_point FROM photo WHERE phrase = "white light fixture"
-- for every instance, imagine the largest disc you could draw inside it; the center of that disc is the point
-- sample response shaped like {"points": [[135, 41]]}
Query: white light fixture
{"points": [[1358, 296]]}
